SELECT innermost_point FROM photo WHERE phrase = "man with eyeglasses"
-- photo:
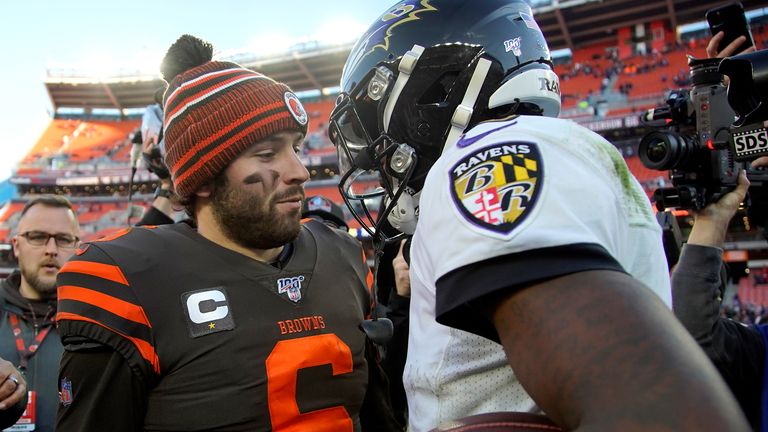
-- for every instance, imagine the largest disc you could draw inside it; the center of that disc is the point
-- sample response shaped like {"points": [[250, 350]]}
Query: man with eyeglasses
{"points": [[47, 234]]}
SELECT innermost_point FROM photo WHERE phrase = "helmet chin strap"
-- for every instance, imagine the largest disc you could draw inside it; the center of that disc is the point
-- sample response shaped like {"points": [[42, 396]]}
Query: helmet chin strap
{"points": [[463, 112], [406, 67]]}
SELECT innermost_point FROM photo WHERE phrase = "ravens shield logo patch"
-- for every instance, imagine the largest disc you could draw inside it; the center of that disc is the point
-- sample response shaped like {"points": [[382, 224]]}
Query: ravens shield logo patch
{"points": [[496, 187]]}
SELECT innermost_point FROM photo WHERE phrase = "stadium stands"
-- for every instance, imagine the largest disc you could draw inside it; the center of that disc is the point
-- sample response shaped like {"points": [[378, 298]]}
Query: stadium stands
{"points": [[80, 141], [9, 209], [318, 143]]}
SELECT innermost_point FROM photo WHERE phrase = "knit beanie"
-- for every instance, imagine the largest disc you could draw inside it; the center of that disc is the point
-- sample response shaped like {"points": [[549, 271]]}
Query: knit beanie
{"points": [[214, 110]]}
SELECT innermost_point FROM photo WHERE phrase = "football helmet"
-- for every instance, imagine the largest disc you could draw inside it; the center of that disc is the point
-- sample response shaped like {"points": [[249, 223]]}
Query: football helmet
{"points": [[424, 73]]}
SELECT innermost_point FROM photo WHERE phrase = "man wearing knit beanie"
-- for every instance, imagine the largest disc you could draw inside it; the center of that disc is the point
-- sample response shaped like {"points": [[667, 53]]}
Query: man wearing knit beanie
{"points": [[242, 319]]}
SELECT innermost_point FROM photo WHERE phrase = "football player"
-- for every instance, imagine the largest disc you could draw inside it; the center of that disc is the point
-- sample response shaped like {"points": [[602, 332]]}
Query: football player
{"points": [[535, 247], [244, 320]]}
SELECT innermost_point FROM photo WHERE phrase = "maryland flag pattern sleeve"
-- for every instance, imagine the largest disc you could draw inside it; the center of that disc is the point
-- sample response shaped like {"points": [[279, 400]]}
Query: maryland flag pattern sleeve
{"points": [[97, 303]]}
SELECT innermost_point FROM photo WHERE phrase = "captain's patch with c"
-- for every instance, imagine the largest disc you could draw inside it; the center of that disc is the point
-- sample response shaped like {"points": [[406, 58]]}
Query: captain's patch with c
{"points": [[496, 187], [207, 311]]}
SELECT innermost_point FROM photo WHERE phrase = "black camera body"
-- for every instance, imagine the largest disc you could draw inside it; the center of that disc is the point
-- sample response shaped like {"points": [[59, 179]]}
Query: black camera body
{"points": [[702, 137]]}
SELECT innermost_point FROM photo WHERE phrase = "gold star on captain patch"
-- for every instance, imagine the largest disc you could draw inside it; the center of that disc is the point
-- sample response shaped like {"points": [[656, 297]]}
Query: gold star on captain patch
{"points": [[212, 326]]}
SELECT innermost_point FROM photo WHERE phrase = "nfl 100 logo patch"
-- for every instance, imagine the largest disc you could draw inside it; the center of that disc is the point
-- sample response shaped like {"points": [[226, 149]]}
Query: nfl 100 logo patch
{"points": [[496, 187], [514, 46], [290, 286]]}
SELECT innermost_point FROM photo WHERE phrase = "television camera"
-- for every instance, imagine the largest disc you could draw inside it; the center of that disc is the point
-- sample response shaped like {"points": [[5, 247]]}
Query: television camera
{"points": [[706, 134]]}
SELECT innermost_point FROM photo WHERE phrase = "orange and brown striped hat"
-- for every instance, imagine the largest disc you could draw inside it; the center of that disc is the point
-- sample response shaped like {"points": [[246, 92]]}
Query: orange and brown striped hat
{"points": [[215, 111]]}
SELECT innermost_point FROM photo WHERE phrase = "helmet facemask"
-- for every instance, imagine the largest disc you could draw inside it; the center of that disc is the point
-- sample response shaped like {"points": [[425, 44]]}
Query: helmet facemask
{"points": [[367, 186], [407, 140]]}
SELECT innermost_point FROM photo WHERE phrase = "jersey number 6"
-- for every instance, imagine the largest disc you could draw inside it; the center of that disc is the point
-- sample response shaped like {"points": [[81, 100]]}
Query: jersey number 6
{"points": [[282, 364]]}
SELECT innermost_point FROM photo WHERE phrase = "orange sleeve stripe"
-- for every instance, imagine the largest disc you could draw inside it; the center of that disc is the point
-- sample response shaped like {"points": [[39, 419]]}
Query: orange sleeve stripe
{"points": [[119, 307], [104, 271], [146, 350]]}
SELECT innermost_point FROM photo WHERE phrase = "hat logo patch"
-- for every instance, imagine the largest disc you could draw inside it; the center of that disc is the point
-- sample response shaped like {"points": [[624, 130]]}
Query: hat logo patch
{"points": [[496, 187], [319, 203], [296, 108]]}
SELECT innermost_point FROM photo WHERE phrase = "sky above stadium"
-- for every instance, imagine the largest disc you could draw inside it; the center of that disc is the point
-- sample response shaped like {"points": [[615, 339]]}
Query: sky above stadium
{"points": [[41, 35]]}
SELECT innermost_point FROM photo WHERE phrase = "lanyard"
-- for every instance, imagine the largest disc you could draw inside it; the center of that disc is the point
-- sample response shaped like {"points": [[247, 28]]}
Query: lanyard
{"points": [[26, 353]]}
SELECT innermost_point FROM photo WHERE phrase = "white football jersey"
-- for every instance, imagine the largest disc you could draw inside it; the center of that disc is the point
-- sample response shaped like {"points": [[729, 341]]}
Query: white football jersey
{"points": [[550, 192]]}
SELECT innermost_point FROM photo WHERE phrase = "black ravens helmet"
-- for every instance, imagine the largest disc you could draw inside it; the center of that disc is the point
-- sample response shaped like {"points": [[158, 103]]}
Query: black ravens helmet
{"points": [[424, 73]]}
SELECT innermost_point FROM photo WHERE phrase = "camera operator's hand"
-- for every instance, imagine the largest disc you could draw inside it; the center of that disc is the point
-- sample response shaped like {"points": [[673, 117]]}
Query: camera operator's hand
{"points": [[155, 164], [153, 158], [151, 139], [729, 50], [711, 223]]}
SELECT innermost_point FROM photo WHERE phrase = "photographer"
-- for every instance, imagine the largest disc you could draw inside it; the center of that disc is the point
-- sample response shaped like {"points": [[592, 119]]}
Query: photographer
{"points": [[737, 350]]}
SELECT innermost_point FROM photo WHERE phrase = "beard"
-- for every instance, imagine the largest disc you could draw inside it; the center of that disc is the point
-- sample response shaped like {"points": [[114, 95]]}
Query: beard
{"points": [[46, 289], [249, 220]]}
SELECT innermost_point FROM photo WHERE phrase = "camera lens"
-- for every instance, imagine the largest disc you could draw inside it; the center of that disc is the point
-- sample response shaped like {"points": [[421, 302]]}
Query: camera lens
{"points": [[656, 151], [662, 150]]}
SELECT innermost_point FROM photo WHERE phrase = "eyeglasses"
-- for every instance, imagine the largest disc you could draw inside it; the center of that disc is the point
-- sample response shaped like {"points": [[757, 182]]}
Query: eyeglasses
{"points": [[40, 238]]}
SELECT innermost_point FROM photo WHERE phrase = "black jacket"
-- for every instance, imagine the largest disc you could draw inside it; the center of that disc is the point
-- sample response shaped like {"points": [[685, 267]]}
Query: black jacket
{"points": [[737, 350]]}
